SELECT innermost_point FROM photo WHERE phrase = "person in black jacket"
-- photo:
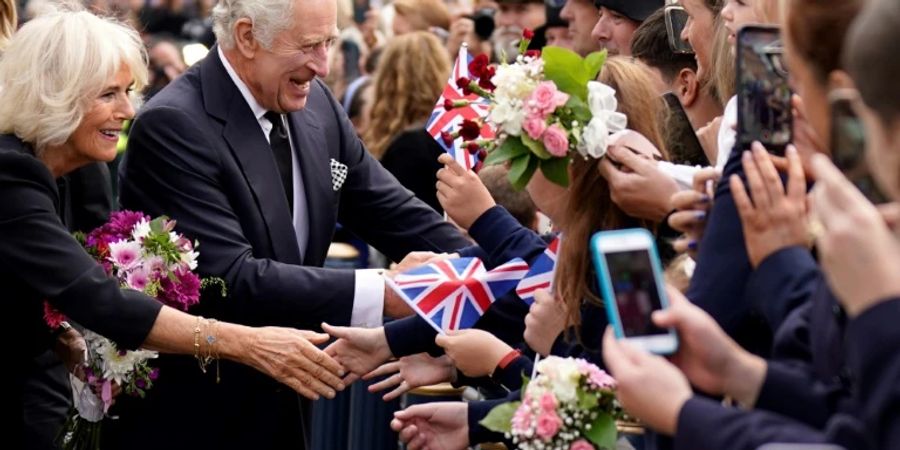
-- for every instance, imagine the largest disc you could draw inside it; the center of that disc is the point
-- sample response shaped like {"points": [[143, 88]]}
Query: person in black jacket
{"points": [[65, 81]]}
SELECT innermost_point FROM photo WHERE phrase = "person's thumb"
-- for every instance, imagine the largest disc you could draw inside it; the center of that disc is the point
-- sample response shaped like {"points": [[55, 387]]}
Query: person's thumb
{"points": [[337, 332]]}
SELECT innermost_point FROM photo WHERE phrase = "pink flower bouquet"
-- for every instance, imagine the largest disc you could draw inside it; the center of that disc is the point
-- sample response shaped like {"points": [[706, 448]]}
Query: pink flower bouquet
{"points": [[569, 405], [545, 108], [148, 256]]}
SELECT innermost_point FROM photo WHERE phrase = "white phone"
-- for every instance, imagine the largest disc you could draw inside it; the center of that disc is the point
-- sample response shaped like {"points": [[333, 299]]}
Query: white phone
{"points": [[631, 280]]}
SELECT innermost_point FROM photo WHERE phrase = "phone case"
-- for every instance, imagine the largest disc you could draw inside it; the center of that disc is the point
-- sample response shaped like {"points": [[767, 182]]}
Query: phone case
{"points": [[741, 140], [605, 283]]}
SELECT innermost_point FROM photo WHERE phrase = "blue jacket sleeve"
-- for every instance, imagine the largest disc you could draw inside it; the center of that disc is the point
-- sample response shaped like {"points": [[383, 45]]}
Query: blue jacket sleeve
{"points": [[704, 423], [503, 238], [782, 282], [872, 342]]}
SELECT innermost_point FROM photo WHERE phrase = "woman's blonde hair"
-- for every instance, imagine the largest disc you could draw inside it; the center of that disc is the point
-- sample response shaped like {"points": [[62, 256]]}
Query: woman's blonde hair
{"points": [[721, 78], [8, 21], [590, 207], [424, 14], [56, 65], [411, 74]]}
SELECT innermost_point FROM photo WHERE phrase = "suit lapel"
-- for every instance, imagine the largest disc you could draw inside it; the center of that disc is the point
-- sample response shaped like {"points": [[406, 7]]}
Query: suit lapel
{"points": [[315, 165], [250, 148]]}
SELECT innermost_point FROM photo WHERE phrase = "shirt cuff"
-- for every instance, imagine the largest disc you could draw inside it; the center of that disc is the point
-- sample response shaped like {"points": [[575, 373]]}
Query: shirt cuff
{"points": [[368, 298]]}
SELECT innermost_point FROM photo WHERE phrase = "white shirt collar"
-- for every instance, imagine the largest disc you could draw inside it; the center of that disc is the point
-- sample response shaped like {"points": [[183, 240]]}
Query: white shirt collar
{"points": [[258, 111]]}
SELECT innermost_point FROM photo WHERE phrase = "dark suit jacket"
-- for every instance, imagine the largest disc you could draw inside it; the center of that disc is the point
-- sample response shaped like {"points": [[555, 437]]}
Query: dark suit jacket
{"points": [[197, 154], [40, 260], [412, 158]]}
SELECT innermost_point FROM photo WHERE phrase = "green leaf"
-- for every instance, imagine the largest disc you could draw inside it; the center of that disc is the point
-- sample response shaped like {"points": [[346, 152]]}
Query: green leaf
{"points": [[556, 170], [587, 400], [566, 69], [536, 147], [521, 170], [511, 148], [603, 432], [500, 418], [579, 108], [593, 63]]}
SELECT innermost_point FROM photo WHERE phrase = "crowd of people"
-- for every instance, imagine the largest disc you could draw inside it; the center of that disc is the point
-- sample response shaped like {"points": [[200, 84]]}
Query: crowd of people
{"points": [[302, 116]]}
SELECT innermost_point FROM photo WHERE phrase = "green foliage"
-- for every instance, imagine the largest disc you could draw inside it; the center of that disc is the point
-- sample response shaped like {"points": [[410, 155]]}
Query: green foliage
{"points": [[556, 170], [536, 147], [521, 170], [511, 148], [602, 432], [212, 282], [587, 400], [500, 418], [570, 71]]}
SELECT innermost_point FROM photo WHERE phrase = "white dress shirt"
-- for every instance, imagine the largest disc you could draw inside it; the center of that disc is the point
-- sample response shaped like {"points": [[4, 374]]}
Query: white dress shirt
{"points": [[368, 298]]}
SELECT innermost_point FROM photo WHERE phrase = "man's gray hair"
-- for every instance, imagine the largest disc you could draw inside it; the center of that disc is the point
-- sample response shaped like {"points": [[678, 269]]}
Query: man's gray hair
{"points": [[269, 17]]}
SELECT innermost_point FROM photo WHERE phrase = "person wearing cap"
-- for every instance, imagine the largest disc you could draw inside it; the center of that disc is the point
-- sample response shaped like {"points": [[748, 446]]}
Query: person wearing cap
{"points": [[512, 17], [555, 31], [618, 21], [582, 15]]}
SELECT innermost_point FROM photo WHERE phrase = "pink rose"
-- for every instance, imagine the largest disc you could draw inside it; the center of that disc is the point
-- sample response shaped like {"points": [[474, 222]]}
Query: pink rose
{"points": [[521, 421], [548, 402], [581, 444], [546, 98], [534, 125], [556, 141], [548, 424]]}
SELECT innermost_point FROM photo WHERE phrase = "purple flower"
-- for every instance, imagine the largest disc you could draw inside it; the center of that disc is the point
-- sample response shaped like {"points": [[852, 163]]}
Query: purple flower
{"points": [[138, 279], [140, 383], [123, 222], [181, 293], [125, 254], [154, 374]]}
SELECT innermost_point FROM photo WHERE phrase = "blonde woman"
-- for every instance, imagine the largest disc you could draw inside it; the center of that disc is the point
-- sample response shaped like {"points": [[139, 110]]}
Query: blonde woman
{"points": [[420, 15], [411, 74]]}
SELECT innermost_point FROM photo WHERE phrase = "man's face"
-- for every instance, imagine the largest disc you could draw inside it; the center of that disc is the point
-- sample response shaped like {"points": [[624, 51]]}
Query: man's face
{"points": [[613, 32], [280, 77], [520, 15], [558, 37], [582, 16]]}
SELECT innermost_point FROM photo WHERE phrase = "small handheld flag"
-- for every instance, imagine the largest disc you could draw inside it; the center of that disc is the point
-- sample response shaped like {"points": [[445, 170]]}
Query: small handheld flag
{"points": [[452, 294], [541, 274], [446, 121]]}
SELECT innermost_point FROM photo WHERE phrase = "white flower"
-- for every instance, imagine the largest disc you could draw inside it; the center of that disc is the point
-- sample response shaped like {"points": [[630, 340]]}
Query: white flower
{"points": [[514, 82], [190, 258], [605, 121], [141, 230], [563, 376], [508, 117], [117, 365]]}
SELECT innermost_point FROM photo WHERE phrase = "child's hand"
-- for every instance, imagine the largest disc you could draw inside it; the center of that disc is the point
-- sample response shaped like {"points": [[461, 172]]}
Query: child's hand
{"points": [[475, 353], [461, 193]]}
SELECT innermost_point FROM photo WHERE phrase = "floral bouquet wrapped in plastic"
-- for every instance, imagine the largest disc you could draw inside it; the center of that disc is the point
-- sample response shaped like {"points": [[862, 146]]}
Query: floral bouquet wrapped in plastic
{"points": [[569, 405], [148, 256]]}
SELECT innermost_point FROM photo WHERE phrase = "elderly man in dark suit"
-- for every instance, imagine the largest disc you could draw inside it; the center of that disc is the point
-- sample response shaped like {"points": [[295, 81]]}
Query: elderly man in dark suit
{"points": [[254, 158]]}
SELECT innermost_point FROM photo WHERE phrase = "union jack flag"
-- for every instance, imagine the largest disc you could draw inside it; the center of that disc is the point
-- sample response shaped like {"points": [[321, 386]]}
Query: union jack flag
{"points": [[541, 274], [452, 294], [443, 120]]}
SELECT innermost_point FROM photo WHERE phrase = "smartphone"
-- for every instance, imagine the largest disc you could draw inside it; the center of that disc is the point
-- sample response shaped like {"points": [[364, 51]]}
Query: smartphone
{"points": [[684, 146], [631, 280], [676, 19], [764, 96], [848, 144]]}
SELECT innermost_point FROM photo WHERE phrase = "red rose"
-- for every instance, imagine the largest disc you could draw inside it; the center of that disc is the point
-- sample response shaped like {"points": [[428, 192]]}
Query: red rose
{"points": [[527, 34], [478, 65], [448, 104], [447, 138], [478, 167], [482, 154], [470, 130], [533, 53], [473, 148]]}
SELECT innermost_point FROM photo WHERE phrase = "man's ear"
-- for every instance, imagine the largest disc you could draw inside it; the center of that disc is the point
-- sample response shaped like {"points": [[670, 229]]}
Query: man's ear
{"points": [[244, 40], [839, 79], [687, 87]]}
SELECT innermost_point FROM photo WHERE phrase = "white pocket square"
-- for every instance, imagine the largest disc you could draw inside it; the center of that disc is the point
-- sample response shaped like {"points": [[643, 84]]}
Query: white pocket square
{"points": [[338, 174]]}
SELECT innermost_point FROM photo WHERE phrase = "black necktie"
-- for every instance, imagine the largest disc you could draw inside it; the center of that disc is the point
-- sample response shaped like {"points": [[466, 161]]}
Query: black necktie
{"points": [[281, 147]]}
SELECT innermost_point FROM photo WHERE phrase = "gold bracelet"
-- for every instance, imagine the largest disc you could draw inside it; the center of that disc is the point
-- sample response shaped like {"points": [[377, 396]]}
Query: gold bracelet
{"points": [[202, 361]]}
